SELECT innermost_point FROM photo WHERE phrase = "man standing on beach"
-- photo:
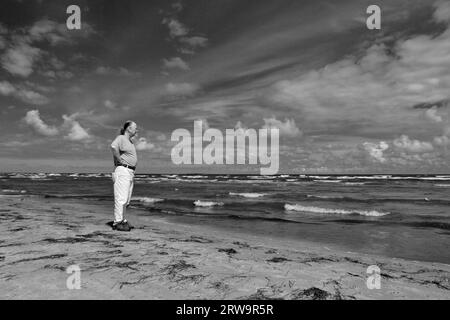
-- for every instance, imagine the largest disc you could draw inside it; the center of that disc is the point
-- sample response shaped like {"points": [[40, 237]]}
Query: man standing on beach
{"points": [[125, 161]]}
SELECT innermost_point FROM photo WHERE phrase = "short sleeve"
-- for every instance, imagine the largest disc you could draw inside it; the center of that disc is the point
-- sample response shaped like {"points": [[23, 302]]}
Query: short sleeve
{"points": [[117, 143]]}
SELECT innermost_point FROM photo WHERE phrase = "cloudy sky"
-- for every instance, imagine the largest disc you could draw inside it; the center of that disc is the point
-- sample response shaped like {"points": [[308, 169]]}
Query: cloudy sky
{"points": [[346, 99]]}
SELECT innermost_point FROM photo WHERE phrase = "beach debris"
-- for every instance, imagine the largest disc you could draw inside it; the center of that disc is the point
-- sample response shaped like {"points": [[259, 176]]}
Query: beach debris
{"points": [[262, 294], [173, 269], [195, 239], [241, 244], [312, 293], [65, 240], [229, 251], [278, 259], [49, 257], [219, 285]]}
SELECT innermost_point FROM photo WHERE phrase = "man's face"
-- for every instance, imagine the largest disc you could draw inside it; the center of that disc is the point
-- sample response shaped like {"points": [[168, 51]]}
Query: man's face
{"points": [[132, 129]]}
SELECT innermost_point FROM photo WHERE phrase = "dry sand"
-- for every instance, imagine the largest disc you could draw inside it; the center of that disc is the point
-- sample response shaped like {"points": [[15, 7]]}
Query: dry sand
{"points": [[40, 238]]}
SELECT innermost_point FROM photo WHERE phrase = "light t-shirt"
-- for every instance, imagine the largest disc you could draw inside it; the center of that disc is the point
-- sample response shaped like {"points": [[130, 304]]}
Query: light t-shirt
{"points": [[127, 150]]}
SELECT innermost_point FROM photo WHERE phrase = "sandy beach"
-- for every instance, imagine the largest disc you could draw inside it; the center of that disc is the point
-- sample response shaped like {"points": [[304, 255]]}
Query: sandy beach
{"points": [[40, 238]]}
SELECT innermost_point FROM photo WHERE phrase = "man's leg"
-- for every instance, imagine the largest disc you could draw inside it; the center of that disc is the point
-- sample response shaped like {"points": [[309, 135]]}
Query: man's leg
{"points": [[130, 191], [121, 192]]}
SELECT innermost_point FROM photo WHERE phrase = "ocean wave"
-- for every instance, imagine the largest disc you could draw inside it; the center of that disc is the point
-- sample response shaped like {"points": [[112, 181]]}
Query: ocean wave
{"points": [[201, 203], [196, 177], [170, 176], [442, 185], [297, 207], [324, 197], [332, 181], [261, 177], [146, 199], [248, 194], [18, 176], [93, 175], [14, 191], [354, 183]]}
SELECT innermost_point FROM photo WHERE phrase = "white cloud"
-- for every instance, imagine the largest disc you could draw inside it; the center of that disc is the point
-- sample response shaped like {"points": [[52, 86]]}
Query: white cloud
{"points": [[21, 55], [121, 71], [161, 137], [287, 128], [110, 104], [46, 29], [56, 33], [442, 12], [415, 146], [175, 62], [76, 131], [376, 150], [176, 28], [31, 97], [194, 42], [181, 89], [443, 140], [23, 94], [6, 88], [19, 59], [379, 87], [180, 33], [432, 115], [143, 145], [33, 119], [239, 125]]}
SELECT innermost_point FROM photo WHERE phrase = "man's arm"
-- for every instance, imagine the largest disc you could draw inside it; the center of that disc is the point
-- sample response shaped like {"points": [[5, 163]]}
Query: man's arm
{"points": [[115, 148], [116, 154]]}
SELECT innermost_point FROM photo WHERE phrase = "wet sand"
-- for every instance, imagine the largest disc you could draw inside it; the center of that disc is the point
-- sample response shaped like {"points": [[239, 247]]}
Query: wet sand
{"points": [[40, 238]]}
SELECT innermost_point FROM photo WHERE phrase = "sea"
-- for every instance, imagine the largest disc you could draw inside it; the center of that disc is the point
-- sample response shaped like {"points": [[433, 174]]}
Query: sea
{"points": [[398, 216]]}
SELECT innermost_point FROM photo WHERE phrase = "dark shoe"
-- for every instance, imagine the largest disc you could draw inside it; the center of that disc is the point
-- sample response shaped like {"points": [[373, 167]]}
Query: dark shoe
{"points": [[129, 224], [122, 226]]}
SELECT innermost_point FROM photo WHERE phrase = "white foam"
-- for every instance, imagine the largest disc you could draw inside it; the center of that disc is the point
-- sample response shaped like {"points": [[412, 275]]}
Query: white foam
{"points": [[200, 203], [195, 177], [297, 207], [93, 175], [324, 197], [248, 194], [14, 191], [18, 176], [261, 177], [170, 175], [442, 185]]}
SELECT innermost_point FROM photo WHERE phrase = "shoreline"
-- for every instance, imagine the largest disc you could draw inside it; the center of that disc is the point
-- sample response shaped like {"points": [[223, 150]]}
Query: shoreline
{"points": [[159, 259]]}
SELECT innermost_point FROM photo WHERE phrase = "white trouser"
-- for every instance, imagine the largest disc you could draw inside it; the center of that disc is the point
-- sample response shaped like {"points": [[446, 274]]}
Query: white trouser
{"points": [[123, 187]]}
